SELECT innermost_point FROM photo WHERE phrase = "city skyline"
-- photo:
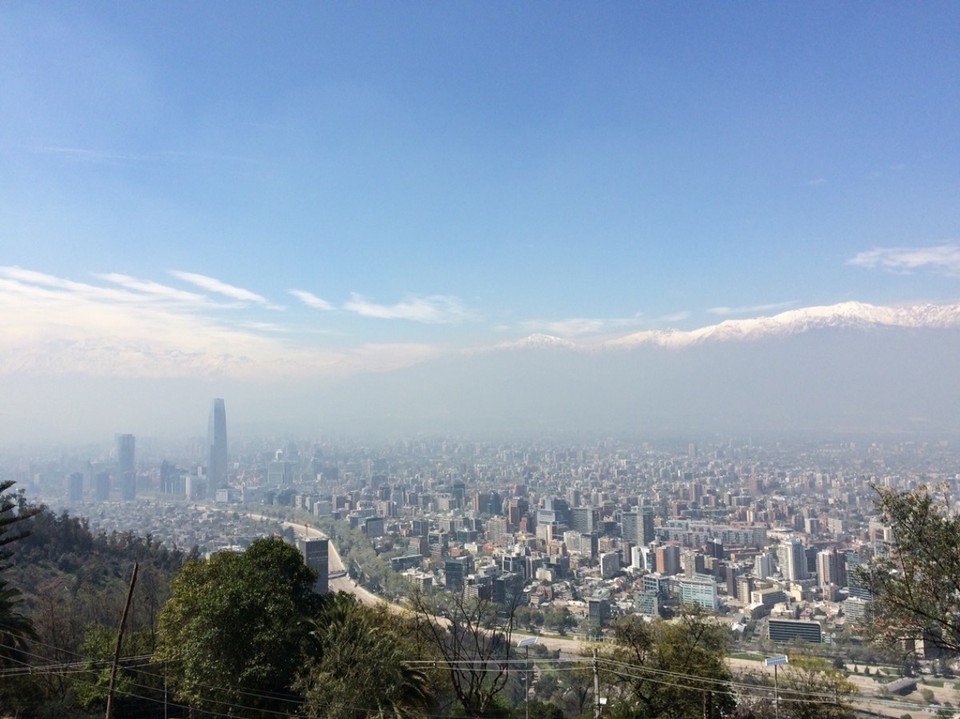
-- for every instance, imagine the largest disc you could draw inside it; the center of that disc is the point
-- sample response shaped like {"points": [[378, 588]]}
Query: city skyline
{"points": [[281, 205]]}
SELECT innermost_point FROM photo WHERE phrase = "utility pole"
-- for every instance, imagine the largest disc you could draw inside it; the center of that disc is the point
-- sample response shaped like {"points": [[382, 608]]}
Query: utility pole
{"points": [[116, 649], [525, 645], [776, 662], [596, 685]]}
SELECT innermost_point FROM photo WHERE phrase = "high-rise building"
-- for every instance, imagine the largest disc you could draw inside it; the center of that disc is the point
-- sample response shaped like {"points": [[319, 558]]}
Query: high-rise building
{"points": [[75, 487], [126, 466], [792, 559], [585, 519], [316, 555], [830, 568], [668, 559], [647, 522], [632, 527], [217, 446]]}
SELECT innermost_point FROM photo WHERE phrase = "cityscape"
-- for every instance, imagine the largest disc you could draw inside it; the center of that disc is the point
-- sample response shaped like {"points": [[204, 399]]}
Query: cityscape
{"points": [[479, 360], [765, 536]]}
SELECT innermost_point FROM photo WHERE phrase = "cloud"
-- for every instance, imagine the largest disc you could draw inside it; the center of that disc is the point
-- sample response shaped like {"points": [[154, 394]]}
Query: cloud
{"points": [[431, 309], [144, 329], [942, 259], [311, 300], [575, 326], [212, 284], [676, 316], [79, 154], [751, 309], [107, 157], [149, 287]]}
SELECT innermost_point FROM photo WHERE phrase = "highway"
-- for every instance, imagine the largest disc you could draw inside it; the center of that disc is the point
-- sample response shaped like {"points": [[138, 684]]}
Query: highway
{"points": [[341, 581]]}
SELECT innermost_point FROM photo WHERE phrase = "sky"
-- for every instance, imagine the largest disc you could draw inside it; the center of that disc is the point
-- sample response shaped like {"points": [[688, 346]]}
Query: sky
{"points": [[240, 190]]}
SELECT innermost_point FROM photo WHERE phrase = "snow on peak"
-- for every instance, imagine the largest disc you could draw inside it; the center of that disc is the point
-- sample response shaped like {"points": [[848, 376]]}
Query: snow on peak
{"points": [[845, 314], [539, 340]]}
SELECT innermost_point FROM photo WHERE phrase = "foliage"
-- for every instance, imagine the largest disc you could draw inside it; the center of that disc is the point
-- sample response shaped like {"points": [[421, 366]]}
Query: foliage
{"points": [[361, 665], [917, 584], [367, 564], [74, 582], [669, 668], [808, 687], [138, 688], [543, 710], [474, 637], [234, 626], [15, 627]]}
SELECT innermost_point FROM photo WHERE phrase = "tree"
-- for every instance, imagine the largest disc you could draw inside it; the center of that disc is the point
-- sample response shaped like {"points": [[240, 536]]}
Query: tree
{"points": [[809, 688], [234, 628], [916, 585], [15, 627], [361, 665], [669, 668], [473, 635]]}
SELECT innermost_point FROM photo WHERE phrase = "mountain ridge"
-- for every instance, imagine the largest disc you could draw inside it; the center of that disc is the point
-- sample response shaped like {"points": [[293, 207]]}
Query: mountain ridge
{"points": [[843, 315]]}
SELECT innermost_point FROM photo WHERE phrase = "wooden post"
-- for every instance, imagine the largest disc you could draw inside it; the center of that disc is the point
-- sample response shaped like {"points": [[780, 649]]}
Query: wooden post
{"points": [[116, 649]]}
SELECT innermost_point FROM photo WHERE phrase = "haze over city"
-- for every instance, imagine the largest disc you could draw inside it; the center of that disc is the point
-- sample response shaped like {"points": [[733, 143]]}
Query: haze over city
{"points": [[487, 218]]}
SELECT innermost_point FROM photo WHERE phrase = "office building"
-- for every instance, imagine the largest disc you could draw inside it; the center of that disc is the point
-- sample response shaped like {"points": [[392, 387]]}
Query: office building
{"points": [[126, 466], [792, 559], [668, 559], [217, 446], [646, 522], [609, 564], [699, 590], [786, 630], [632, 527], [75, 487], [830, 568], [585, 519], [316, 555]]}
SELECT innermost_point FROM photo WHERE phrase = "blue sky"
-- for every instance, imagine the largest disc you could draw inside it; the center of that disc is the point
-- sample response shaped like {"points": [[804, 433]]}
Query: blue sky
{"points": [[337, 181]]}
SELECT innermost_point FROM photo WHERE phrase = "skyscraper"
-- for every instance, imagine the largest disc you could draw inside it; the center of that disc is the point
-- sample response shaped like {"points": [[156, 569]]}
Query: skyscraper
{"points": [[217, 446], [793, 561], [126, 466]]}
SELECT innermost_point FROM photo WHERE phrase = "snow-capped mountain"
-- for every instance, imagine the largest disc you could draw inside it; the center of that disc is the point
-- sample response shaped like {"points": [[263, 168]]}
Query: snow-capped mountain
{"points": [[851, 315], [538, 340]]}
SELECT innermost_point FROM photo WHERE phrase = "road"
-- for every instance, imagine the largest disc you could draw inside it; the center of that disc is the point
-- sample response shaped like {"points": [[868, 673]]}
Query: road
{"points": [[867, 698], [341, 581]]}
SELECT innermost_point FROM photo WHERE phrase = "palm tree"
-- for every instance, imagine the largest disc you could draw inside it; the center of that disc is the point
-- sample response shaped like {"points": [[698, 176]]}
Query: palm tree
{"points": [[359, 666]]}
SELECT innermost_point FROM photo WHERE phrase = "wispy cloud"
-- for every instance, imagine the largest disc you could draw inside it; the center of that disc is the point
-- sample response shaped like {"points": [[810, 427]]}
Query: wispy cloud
{"points": [[679, 316], [113, 157], [430, 309], [79, 154], [212, 284], [311, 300], [137, 328], [751, 309], [943, 259], [150, 287]]}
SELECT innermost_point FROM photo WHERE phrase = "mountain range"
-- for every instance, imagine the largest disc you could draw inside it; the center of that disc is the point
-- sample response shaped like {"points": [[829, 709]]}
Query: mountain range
{"points": [[851, 368], [845, 315]]}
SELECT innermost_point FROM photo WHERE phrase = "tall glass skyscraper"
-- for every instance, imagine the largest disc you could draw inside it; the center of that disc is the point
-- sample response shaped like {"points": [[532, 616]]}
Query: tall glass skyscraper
{"points": [[126, 466], [217, 446]]}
